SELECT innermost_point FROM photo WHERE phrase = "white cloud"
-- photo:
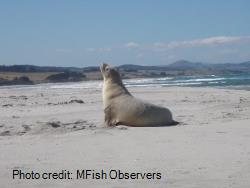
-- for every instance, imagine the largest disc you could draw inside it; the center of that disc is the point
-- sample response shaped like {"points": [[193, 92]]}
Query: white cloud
{"points": [[219, 40], [132, 45], [105, 49], [98, 49], [203, 42], [159, 45]]}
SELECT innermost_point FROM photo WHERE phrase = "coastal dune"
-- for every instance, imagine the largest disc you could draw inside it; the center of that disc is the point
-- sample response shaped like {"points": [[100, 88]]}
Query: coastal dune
{"points": [[51, 130]]}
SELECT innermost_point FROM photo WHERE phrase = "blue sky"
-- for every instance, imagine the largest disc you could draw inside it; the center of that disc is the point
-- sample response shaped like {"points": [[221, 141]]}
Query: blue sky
{"points": [[145, 32]]}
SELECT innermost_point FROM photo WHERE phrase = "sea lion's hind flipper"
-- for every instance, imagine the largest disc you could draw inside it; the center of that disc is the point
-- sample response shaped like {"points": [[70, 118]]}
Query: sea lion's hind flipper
{"points": [[174, 123]]}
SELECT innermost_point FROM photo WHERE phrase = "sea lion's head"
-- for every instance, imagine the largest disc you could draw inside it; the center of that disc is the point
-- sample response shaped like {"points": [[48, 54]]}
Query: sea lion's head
{"points": [[110, 73]]}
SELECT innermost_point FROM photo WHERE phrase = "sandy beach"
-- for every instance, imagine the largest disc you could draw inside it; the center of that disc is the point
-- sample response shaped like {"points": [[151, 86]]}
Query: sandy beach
{"points": [[61, 129]]}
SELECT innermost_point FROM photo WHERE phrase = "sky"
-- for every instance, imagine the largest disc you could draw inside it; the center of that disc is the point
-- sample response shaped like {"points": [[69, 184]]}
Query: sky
{"points": [[144, 32]]}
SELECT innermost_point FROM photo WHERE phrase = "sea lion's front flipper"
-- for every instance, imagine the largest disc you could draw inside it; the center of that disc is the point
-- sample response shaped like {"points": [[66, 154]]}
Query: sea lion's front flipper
{"points": [[108, 121]]}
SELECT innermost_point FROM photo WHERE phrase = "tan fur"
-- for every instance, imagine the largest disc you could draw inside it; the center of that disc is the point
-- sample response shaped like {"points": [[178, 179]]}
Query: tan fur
{"points": [[121, 108]]}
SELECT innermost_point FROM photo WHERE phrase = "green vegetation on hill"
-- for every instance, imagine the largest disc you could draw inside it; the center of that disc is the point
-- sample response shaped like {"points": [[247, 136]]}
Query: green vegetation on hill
{"points": [[66, 77], [23, 80]]}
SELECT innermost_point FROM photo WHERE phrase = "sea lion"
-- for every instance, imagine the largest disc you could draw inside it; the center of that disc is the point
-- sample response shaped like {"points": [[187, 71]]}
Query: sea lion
{"points": [[121, 108]]}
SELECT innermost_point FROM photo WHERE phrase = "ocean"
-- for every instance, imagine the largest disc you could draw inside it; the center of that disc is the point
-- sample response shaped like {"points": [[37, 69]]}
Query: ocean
{"points": [[194, 81], [237, 81]]}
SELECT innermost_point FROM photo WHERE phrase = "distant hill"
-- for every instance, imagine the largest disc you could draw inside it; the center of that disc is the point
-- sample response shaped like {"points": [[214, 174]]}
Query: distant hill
{"points": [[33, 68], [184, 65], [245, 64], [31, 74], [66, 77], [180, 65], [131, 67], [23, 80]]}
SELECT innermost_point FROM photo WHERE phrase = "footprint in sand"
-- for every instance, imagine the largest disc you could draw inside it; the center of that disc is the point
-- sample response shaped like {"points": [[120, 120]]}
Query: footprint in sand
{"points": [[7, 105], [26, 129], [68, 102], [54, 124], [5, 133], [73, 126]]}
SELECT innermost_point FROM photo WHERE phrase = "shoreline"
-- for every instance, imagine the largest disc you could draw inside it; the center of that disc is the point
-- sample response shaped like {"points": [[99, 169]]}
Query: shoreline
{"points": [[238, 81], [231, 87]]}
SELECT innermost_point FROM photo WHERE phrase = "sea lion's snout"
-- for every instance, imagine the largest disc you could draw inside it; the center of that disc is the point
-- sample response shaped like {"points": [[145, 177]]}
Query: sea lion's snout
{"points": [[109, 72], [103, 67]]}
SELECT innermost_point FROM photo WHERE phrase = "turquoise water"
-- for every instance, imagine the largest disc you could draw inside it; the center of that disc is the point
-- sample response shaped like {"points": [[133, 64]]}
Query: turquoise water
{"points": [[194, 81]]}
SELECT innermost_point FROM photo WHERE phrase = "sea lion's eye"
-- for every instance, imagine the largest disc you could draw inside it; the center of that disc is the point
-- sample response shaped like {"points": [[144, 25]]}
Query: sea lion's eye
{"points": [[107, 69]]}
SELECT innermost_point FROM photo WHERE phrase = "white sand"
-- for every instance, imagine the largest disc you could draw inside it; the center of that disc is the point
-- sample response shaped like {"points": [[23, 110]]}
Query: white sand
{"points": [[210, 148]]}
